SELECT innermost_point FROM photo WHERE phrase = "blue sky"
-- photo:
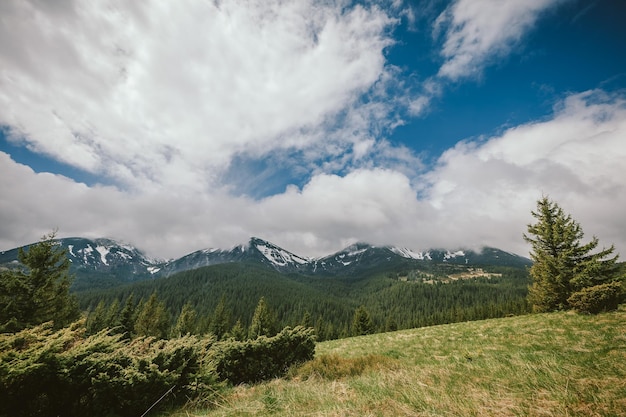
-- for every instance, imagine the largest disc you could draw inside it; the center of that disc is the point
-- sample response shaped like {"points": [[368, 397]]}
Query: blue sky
{"points": [[310, 124]]}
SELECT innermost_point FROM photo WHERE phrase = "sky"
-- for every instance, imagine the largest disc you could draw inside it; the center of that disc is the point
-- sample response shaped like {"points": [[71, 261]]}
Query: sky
{"points": [[178, 126]]}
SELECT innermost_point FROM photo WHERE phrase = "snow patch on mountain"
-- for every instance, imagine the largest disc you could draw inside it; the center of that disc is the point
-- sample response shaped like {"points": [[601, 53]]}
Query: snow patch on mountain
{"points": [[278, 256], [451, 255], [410, 254], [103, 251]]}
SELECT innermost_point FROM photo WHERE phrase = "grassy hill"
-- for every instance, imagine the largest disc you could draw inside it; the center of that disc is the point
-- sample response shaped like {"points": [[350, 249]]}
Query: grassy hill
{"points": [[559, 364]]}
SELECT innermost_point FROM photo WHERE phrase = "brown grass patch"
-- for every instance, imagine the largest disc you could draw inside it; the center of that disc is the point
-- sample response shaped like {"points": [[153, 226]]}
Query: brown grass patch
{"points": [[335, 367]]}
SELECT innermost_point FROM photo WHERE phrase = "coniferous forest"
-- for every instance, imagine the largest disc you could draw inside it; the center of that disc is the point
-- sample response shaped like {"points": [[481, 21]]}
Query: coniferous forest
{"points": [[221, 299]]}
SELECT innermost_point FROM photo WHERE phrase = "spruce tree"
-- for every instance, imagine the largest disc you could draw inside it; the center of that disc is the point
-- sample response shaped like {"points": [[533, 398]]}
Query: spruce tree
{"points": [[186, 322], [362, 322], [307, 321], [39, 292], [263, 321], [221, 319], [153, 319], [97, 319], [238, 332], [561, 264], [128, 317]]}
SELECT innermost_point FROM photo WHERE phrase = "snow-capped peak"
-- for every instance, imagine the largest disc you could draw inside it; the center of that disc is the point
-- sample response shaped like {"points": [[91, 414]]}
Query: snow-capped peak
{"points": [[450, 255], [410, 254], [276, 255]]}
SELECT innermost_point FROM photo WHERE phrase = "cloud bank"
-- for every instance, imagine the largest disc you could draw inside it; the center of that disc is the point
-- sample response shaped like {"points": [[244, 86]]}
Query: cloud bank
{"points": [[478, 194]]}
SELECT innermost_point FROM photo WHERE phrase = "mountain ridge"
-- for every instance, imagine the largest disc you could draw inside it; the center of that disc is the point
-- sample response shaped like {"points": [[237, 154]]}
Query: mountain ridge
{"points": [[120, 262]]}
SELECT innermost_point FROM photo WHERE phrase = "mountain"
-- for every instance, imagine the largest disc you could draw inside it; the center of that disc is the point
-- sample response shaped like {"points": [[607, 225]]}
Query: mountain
{"points": [[105, 262], [98, 262], [257, 251]]}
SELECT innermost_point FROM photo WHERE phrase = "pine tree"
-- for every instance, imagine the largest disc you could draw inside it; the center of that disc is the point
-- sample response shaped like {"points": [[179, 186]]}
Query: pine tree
{"points": [[153, 319], [112, 315], [39, 292], [221, 319], [238, 332], [96, 320], [263, 321], [562, 266], [307, 321], [128, 317], [362, 322], [186, 322]]}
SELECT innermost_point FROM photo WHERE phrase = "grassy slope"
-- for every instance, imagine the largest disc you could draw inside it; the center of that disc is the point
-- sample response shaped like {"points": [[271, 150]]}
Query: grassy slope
{"points": [[559, 364]]}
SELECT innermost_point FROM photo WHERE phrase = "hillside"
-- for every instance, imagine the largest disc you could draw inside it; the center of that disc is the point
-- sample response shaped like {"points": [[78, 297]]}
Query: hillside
{"points": [[545, 364]]}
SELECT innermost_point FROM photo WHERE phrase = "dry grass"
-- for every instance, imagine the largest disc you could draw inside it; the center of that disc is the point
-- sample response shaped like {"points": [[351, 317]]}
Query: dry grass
{"points": [[560, 364]]}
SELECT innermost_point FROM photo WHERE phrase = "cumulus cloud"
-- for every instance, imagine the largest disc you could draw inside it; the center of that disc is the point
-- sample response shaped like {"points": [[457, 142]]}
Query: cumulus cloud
{"points": [[476, 31], [157, 95], [485, 191]]}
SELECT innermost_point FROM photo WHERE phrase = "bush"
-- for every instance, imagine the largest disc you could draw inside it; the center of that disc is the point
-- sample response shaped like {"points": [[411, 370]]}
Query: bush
{"points": [[65, 373], [45, 372], [251, 361], [599, 298]]}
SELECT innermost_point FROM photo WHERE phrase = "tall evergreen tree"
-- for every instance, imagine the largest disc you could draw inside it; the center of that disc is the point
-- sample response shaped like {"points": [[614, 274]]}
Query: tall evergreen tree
{"points": [[153, 319], [562, 265], [307, 321], [221, 319], [40, 291], [186, 322], [263, 320], [128, 317], [238, 332], [362, 322], [97, 319]]}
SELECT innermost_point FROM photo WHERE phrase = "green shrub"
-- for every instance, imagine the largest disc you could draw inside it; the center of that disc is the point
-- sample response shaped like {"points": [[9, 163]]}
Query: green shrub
{"points": [[265, 357], [599, 298], [65, 373]]}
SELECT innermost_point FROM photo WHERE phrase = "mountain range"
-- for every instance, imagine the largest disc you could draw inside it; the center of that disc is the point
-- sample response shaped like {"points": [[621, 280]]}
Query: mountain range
{"points": [[105, 262]]}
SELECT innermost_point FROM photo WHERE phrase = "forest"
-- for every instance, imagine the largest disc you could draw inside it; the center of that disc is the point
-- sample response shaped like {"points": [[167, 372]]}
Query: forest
{"points": [[226, 297]]}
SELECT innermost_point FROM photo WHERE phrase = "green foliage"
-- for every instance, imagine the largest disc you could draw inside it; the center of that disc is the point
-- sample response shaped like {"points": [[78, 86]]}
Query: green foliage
{"points": [[263, 320], [265, 357], [238, 332], [186, 322], [362, 322], [39, 292], [597, 299], [97, 319], [329, 302], [562, 265], [221, 319], [153, 319], [43, 372]]}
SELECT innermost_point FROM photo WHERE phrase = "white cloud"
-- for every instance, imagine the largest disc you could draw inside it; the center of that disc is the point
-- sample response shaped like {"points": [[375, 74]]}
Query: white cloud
{"points": [[486, 191], [163, 95], [476, 31], [479, 194]]}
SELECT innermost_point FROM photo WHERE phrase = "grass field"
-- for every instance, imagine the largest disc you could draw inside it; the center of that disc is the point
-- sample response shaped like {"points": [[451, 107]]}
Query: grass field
{"points": [[559, 364]]}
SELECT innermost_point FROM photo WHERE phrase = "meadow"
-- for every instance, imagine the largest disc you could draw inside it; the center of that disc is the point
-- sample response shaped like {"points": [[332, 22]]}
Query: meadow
{"points": [[555, 364]]}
